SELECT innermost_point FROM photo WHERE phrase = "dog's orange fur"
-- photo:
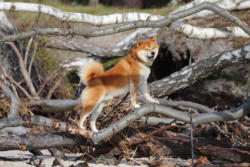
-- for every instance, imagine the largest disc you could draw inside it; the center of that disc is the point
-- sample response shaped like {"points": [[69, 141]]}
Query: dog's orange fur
{"points": [[130, 72]]}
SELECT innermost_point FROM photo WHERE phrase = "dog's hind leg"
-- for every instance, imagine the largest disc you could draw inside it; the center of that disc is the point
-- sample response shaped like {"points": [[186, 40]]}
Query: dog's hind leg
{"points": [[95, 115], [90, 101]]}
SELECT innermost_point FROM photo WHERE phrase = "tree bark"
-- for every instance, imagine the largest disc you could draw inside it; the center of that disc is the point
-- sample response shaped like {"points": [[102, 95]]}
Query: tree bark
{"points": [[37, 141], [128, 26], [198, 70], [225, 4]]}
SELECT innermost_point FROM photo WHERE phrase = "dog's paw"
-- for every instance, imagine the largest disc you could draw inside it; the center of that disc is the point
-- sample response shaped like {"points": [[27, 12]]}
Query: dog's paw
{"points": [[136, 105], [151, 100], [94, 130]]}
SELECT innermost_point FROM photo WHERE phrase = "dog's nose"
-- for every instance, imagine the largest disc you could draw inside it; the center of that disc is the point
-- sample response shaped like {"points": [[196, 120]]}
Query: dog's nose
{"points": [[152, 53]]}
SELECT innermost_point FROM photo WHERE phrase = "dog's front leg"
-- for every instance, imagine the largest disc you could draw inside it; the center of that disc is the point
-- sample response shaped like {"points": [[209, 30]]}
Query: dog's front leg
{"points": [[145, 91], [134, 86]]}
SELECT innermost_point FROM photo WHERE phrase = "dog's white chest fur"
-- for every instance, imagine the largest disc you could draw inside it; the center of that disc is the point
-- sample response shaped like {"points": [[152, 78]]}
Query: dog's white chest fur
{"points": [[145, 71]]}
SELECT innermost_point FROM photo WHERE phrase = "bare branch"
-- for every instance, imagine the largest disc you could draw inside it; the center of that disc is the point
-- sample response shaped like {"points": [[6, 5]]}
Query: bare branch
{"points": [[77, 17], [32, 57], [209, 33], [128, 26], [39, 141], [14, 106], [24, 70], [54, 105], [52, 90], [234, 114], [14, 82], [27, 50], [225, 4], [199, 70], [42, 121]]}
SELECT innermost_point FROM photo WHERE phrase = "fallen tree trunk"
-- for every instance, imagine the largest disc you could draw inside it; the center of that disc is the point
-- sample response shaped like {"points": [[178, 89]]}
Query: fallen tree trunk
{"points": [[37, 141], [199, 70]]}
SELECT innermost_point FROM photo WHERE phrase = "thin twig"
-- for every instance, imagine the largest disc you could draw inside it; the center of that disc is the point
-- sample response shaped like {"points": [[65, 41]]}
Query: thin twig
{"points": [[24, 71], [152, 133], [192, 139], [36, 21], [27, 50], [33, 58], [52, 90], [14, 82]]}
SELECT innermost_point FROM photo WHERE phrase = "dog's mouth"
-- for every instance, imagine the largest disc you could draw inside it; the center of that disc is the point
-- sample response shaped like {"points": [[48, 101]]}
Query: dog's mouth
{"points": [[151, 57]]}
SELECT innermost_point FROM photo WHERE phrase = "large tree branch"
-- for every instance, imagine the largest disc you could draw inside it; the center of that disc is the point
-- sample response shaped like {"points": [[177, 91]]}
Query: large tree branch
{"points": [[128, 26], [54, 105], [37, 141], [43, 121], [199, 70], [81, 44], [225, 4], [209, 33], [78, 17], [234, 114], [172, 113]]}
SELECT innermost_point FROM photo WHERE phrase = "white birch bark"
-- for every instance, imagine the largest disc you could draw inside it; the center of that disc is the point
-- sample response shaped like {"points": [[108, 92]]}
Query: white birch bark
{"points": [[208, 33], [78, 17], [191, 31], [225, 4]]}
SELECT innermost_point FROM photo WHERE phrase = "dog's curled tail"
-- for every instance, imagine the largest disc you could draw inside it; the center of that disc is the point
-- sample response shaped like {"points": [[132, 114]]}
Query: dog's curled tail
{"points": [[89, 71]]}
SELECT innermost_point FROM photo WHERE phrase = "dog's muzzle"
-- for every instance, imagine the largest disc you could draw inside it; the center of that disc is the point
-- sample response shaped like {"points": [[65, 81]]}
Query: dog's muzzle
{"points": [[151, 56]]}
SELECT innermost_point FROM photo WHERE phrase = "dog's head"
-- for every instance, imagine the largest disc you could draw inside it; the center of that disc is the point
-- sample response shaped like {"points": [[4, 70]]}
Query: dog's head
{"points": [[146, 50]]}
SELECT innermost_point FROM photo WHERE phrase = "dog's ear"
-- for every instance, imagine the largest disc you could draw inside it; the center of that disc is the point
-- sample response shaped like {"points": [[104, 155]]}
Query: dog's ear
{"points": [[139, 42], [154, 38]]}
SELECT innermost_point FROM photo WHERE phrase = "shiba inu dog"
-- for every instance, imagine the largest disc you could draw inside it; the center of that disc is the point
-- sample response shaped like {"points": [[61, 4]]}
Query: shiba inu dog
{"points": [[129, 74]]}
